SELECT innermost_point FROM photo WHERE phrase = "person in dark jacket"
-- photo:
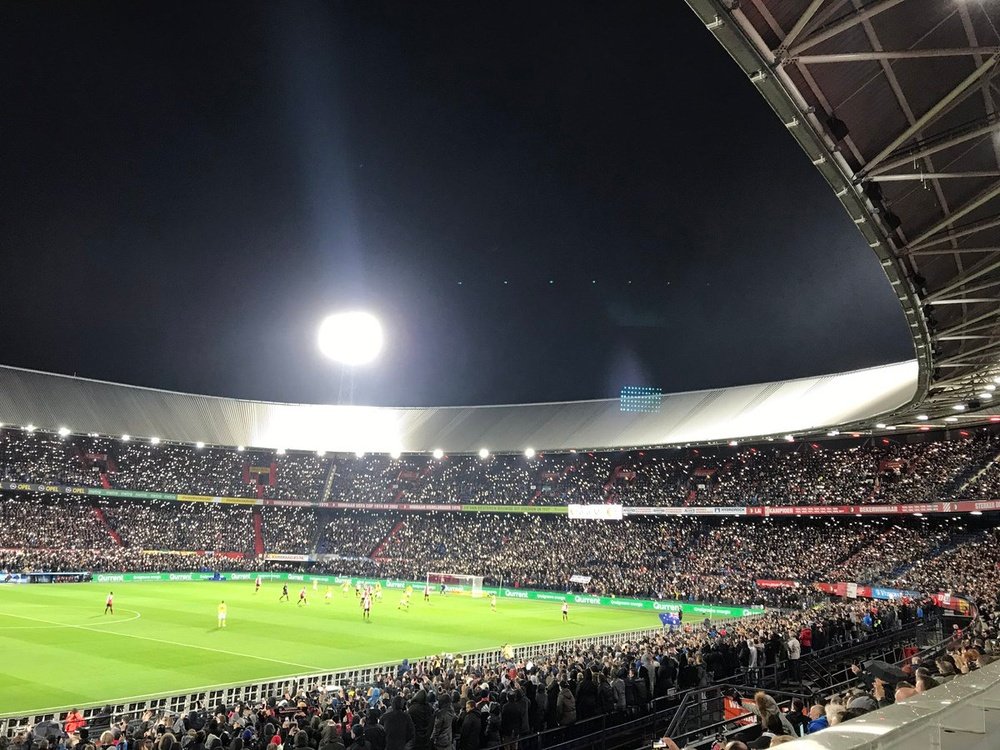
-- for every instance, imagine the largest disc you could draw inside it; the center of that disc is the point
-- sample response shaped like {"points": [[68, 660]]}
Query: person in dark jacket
{"points": [[330, 738], [586, 696], [551, 698], [399, 730], [511, 719], [470, 733], [441, 734], [423, 721], [565, 706]]}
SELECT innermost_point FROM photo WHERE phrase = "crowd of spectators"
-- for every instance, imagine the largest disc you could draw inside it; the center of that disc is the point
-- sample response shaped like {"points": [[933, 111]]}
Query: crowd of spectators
{"points": [[852, 472], [171, 525], [680, 558]]}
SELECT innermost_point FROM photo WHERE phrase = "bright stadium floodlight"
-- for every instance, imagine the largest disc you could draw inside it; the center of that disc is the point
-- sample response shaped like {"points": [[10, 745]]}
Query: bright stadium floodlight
{"points": [[126, 437], [394, 455], [30, 427], [922, 417], [154, 440], [529, 452], [484, 453], [733, 443], [351, 338], [240, 448], [359, 454], [63, 431], [321, 453], [280, 451], [438, 454], [958, 407], [880, 426], [199, 445]]}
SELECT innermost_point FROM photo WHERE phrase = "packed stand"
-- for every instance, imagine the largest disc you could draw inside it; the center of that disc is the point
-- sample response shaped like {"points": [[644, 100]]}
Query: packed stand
{"points": [[171, 525], [873, 471], [32, 520]]}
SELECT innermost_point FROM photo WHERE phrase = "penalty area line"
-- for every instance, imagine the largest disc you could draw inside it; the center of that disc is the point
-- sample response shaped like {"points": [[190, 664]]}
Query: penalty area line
{"points": [[95, 629]]}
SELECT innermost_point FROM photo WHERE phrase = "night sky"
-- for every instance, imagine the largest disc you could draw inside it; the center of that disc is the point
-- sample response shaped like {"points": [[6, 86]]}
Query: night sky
{"points": [[541, 201]]}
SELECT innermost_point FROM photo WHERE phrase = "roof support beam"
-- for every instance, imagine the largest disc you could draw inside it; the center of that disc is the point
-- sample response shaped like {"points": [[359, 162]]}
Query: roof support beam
{"points": [[963, 297], [936, 111], [964, 356], [933, 176], [963, 251], [848, 23], [910, 54], [979, 226], [984, 197], [965, 324], [800, 24], [933, 146], [958, 284]]}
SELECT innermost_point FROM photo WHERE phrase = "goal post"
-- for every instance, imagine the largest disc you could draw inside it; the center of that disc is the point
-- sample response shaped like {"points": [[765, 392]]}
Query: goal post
{"points": [[455, 583]]}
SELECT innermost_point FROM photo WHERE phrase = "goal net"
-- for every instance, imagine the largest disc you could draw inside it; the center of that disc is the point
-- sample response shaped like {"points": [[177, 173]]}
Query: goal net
{"points": [[455, 583]]}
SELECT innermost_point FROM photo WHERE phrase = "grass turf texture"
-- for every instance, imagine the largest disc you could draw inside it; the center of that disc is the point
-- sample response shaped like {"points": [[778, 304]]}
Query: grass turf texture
{"points": [[59, 650]]}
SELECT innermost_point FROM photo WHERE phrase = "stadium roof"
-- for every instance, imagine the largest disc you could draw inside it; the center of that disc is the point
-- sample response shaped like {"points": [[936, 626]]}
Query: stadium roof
{"points": [[896, 104], [50, 402]]}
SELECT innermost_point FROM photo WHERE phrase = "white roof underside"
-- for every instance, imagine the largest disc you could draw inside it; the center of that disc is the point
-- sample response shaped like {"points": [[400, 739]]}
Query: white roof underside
{"points": [[806, 405]]}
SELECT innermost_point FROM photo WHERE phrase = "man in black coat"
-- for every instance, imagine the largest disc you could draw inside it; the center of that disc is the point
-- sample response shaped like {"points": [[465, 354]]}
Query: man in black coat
{"points": [[423, 720], [511, 718], [399, 730], [471, 730]]}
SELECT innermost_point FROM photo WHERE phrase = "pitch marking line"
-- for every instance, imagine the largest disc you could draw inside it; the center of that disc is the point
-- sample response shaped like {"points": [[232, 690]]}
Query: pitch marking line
{"points": [[4, 629], [94, 629]]}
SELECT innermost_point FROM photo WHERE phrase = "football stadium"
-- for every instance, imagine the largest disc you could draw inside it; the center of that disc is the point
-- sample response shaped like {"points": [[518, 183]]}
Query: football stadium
{"points": [[812, 561]]}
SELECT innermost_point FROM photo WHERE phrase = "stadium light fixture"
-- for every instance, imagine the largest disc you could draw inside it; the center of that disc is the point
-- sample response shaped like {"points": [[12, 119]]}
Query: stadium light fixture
{"points": [[240, 448], [126, 438], [733, 443], [529, 452], [351, 338], [790, 438], [958, 407], [359, 454], [30, 427], [154, 440], [280, 451], [833, 433], [321, 453], [990, 387], [880, 426], [199, 445], [975, 513], [394, 455], [63, 431], [438, 454], [985, 395], [922, 417], [891, 427], [484, 454], [951, 419]]}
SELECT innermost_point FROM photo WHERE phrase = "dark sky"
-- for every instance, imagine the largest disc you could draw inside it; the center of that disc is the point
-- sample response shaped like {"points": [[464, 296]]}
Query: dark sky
{"points": [[541, 201]]}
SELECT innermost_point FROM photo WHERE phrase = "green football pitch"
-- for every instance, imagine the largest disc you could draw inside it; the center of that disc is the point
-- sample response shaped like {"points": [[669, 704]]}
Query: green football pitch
{"points": [[59, 650]]}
